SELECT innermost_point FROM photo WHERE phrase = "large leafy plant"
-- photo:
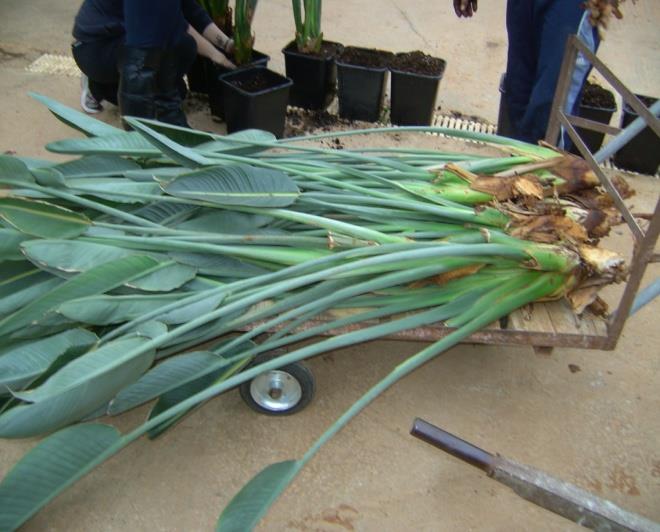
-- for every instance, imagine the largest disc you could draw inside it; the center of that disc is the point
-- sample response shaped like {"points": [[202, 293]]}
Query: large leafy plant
{"points": [[117, 263], [308, 27]]}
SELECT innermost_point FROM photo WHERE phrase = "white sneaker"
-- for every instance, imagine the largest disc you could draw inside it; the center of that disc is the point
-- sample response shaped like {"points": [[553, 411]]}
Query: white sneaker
{"points": [[89, 104]]}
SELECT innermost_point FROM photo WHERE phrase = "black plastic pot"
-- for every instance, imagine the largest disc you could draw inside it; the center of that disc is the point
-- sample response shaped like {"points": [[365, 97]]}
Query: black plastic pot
{"points": [[314, 77], [593, 139], [215, 74], [361, 91], [413, 98], [504, 127], [642, 153], [265, 109]]}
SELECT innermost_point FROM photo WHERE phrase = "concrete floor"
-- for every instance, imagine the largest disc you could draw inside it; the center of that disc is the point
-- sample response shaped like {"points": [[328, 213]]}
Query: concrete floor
{"points": [[598, 427]]}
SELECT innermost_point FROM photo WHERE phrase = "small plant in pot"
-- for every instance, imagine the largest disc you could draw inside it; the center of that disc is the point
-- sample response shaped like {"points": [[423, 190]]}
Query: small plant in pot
{"points": [[362, 77], [310, 60], [221, 14], [244, 55], [415, 82], [254, 98]]}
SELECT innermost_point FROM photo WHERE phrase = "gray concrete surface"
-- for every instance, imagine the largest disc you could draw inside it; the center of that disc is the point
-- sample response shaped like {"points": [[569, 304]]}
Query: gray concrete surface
{"points": [[598, 427]]}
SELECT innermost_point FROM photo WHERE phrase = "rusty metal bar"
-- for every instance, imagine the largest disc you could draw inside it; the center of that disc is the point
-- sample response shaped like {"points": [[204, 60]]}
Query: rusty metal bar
{"points": [[546, 491], [593, 126], [644, 252], [433, 333], [605, 181], [563, 84]]}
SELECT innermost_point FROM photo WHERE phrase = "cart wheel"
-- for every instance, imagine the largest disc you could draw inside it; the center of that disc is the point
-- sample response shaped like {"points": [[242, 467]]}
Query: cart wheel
{"points": [[279, 392]]}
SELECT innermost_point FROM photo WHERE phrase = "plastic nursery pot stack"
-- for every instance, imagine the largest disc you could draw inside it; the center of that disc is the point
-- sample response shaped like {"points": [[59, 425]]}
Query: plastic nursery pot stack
{"points": [[642, 153], [216, 73], [314, 75], [255, 98], [597, 104], [415, 82], [362, 77]]}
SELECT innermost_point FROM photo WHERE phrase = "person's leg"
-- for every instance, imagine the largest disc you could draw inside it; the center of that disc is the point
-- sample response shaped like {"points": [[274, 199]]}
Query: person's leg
{"points": [[98, 61], [521, 59], [176, 61], [554, 21], [150, 28]]}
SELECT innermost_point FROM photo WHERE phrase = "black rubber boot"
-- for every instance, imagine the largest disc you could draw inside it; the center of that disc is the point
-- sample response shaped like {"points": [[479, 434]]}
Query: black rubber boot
{"points": [[137, 85], [175, 62]]}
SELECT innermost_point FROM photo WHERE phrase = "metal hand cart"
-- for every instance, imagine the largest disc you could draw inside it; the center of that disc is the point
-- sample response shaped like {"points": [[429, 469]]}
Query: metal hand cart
{"points": [[545, 325]]}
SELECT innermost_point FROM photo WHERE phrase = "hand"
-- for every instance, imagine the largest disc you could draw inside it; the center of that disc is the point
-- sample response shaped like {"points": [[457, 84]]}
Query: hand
{"points": [[221, 59], [229, 46], [465, 8]]}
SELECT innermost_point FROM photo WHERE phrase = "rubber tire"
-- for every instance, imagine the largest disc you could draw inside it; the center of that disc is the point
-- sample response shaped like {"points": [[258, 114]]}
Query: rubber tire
{"points": [[298, 371]]}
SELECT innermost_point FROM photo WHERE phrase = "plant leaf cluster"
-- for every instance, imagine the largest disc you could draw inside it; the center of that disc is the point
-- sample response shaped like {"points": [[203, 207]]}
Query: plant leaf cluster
{"points": [[144, 269]]}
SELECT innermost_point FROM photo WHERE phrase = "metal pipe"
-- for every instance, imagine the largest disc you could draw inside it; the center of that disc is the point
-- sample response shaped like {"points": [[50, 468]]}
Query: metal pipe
{"points": [[646, 296], [452, 444], [618, 142]]}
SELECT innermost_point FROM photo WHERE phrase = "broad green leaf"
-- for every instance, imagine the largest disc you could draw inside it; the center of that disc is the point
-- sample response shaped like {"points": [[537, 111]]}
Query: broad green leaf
{"points": [[181, 135], [95, 281], [49, 177], [14, 169], [176, 396], [23, 362], [169, 275], [10, 241], [160, 174], [34, 162], [78, 389], [41, 331], [77, 120], [161, 379], [108, 310], [73, 256], [127, 143], [116, 189], [96, 166], [49, 468], [22, 284], [165, 213], [224, 144], [236, 185], [218, 221], [42, 219], [150, 329], [255, 498], [218, 265], [177, 152]]}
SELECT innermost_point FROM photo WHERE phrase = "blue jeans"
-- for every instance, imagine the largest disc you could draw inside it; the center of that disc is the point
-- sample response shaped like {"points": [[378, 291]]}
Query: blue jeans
{"points": [[537, 30]]}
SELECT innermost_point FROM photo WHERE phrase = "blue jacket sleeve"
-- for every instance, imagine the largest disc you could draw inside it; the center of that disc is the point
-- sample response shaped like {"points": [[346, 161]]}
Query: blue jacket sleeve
{"points": [[195, 15]]}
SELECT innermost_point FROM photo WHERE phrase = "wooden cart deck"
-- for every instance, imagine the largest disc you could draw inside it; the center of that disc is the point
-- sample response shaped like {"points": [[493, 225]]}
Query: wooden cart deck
{"points": [[541, 325]]}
